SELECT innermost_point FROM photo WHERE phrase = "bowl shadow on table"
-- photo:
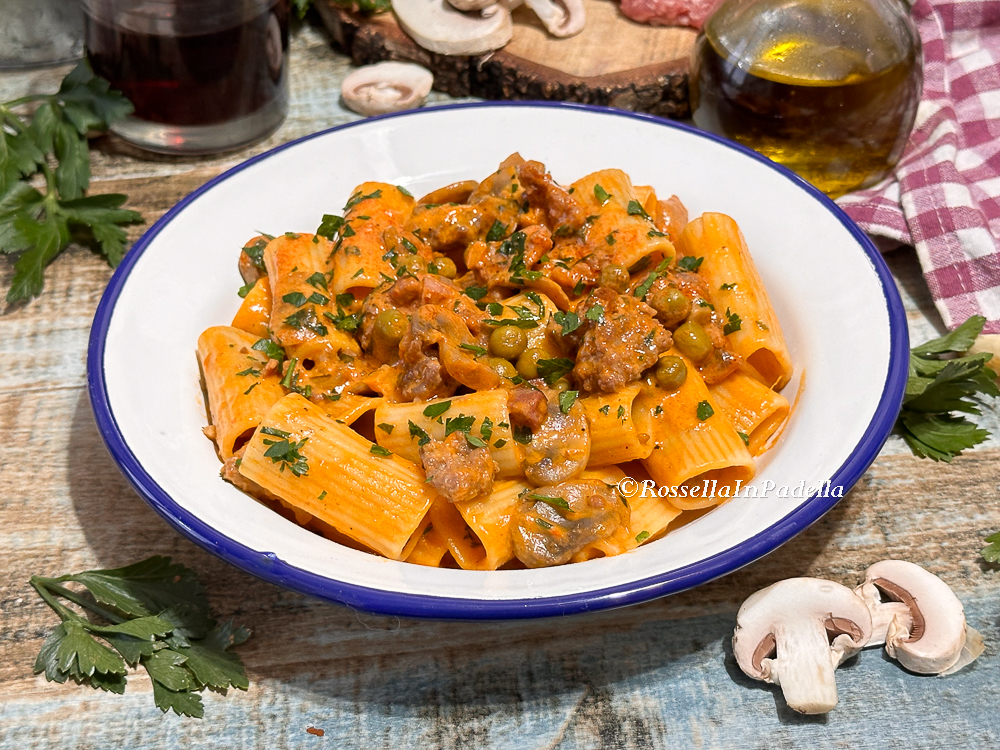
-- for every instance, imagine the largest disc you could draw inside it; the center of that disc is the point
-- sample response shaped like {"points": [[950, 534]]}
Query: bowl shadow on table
{"points": [[480, 669]]}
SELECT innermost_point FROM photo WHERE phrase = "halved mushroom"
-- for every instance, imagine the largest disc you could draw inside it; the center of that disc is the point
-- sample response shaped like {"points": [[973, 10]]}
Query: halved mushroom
{"points": [[918, 618], [555, 522], [437, 26], [560, 447], [563, 18], [386, 87], [795, 633]]}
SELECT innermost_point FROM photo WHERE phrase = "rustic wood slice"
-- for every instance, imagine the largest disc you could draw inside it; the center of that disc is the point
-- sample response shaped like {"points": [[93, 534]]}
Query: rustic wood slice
{"points": [[614, 61]]}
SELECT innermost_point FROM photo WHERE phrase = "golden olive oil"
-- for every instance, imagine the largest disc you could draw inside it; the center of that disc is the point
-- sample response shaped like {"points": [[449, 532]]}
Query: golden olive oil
{"points": [[828, 88]]}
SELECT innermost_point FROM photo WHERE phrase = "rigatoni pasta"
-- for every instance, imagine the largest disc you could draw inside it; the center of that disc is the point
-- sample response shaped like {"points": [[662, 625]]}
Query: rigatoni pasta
{"points": [[467, 378]]}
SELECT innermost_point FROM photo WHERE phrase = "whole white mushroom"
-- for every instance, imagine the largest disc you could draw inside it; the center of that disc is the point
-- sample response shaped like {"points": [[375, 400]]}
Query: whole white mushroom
{"points": [[386, 87]]}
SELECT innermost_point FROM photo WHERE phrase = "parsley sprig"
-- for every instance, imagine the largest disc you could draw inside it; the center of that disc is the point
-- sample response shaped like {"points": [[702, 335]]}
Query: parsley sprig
{"points": [[940, 385], [37, 226], [157, 617]]}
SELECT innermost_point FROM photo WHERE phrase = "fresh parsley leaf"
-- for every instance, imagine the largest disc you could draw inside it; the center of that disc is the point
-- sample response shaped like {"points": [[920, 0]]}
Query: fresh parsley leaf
{"points": [[486, 429], [555, 502], [461, 423], [318, 280], [641, 537], [727, 287], [705, 410], [404, 191], [479, 351], [939, 385], [330, 226], [497, 232], [476, 292], [610, 239], [378, 450], [159, 619], [386, 427], [595, 313], [605, 410], [566, 400], [601, 194], [294, 298], [745, 438], [475, 442], [51, 144], [289, 455], [269, 348], [245, 289], [521, 434], [358, 197], [690, 263]]}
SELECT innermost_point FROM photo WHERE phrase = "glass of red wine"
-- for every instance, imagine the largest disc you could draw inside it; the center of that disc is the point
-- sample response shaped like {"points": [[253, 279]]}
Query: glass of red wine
{"points": [[204, 75]]}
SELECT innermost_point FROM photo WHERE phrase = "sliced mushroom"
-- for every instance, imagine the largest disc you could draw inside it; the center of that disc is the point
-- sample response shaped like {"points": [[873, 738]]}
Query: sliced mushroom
{"points": [[563, 18], [796, 633], [386, 87], [560, 448], [919, 618], [471, 4], [555, 522], [437, 26]]}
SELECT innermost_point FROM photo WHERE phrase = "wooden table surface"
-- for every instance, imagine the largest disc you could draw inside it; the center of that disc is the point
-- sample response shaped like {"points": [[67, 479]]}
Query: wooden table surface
{"points": [[656, 675]]}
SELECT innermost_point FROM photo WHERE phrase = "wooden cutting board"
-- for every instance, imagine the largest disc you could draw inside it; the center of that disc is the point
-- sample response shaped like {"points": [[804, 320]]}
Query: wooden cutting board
{"points": [[614, 61]]}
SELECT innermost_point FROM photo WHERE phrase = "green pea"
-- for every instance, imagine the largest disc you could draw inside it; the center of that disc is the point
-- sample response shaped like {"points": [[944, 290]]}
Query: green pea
{"points": [[693, 341], [444, 266], [562, 385], [508, 342], [670, 372], [390, 325], [414, 264], [671, 304], [527, 363], [614, 277], [502, 367]]}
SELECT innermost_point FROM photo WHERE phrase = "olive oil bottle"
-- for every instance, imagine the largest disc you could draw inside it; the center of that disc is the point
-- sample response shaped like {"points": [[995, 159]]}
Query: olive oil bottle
{"points": [[829, 88]]}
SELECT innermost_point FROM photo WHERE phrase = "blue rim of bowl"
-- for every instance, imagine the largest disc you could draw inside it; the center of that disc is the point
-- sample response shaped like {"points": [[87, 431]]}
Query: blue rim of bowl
{"points": [[269, 567]]}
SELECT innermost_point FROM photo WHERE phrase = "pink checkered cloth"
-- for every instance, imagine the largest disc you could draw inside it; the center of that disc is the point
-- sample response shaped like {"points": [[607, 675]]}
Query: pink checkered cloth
{"points": [[944, 196]]}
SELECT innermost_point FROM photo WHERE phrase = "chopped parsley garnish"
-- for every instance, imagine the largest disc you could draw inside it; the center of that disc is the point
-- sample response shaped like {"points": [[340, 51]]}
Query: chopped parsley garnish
{"points": [[641, 537], [343, 320], [610, 239], [543, 523], [513, 247], [321, 495], [566, 400], [938, 387], [497, 232], [246, 289], [605, 409], [744, 437], [461, 423], [360, 272], [516, 322], [762, 325], [521, 434], [494, 308], [306, 318], [569, 321], [705, 410], [475, 442], [733, 323], [247, 391], [658, 410], [500, 443], [318, 280], [416, 431], [249, 371], [655, 233], [269, 348], [289, 454], [256, 254], [486, 430], [621, 412], [378, 450], [555, 502], [635, 209], [476, 292], [358, 197], [596, 313], [330, 226], [578, 288], [524, 313], [727, 287], [410, 247], [552, 369], [318, 299], [404, 191], [294, 298], [290, 372], [386, 427], [601, 194], [690, 263], [437, 409], [479, 351]]}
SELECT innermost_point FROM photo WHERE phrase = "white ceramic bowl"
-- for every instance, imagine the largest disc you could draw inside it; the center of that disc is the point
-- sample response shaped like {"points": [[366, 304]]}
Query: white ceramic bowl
{"points": [[836, 300]]}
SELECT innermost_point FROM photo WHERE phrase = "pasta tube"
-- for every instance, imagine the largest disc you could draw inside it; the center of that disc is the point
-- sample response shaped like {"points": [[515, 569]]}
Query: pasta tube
{"points": [[618, 433], [754, 409]]}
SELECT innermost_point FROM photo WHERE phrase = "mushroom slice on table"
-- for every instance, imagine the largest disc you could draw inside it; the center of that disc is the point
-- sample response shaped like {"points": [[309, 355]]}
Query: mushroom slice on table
{"points": [[563, 18], [796, 633], [437, 26], [386, 87], [918, 618]]}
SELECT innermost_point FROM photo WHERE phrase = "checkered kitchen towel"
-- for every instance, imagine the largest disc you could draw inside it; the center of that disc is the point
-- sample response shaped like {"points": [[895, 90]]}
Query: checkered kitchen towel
{"points": [[944, 196]]}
